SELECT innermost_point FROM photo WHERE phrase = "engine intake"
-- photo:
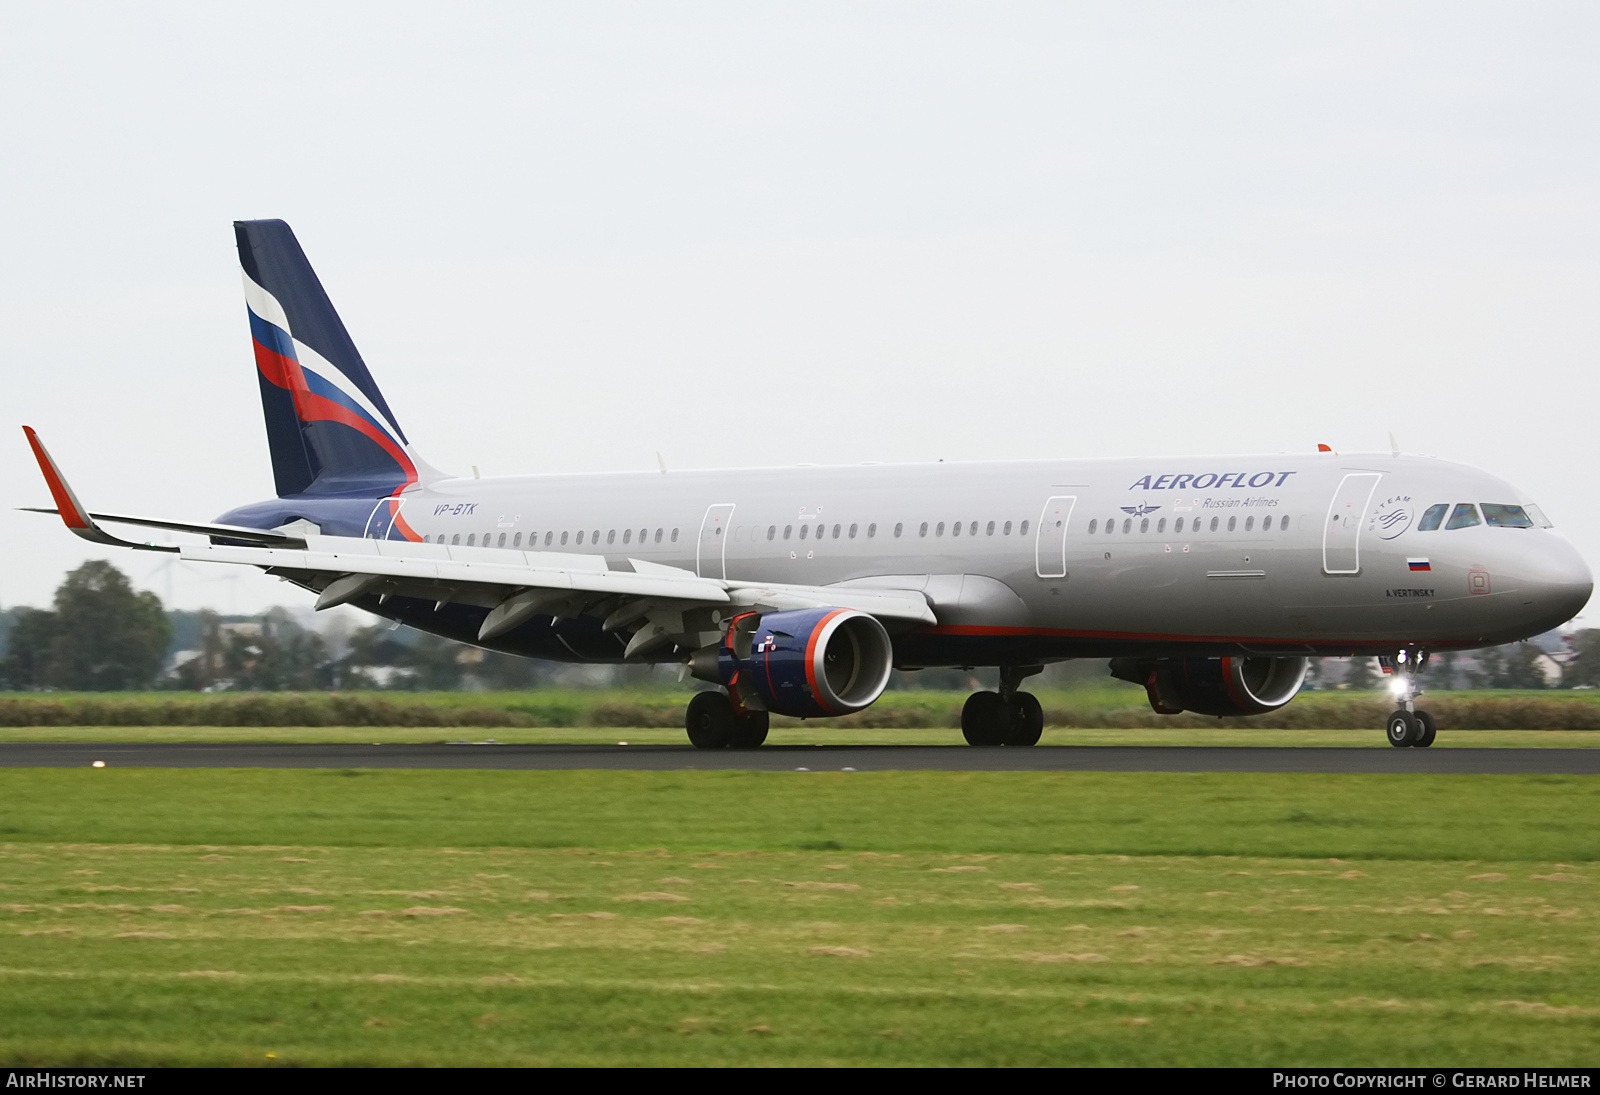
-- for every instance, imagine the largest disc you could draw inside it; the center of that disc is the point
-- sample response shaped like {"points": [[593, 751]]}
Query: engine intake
{"points": [[808, 663], [1214, 686]]}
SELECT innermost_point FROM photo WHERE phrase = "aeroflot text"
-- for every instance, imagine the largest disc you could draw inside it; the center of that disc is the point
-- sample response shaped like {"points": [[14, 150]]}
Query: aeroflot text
{"points": [[1238, 480], [1423, 1080]]}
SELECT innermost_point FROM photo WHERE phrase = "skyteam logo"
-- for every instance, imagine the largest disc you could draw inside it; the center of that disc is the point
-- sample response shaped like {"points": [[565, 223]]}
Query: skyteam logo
{"points": [[1392, 517], [1140, 510]]}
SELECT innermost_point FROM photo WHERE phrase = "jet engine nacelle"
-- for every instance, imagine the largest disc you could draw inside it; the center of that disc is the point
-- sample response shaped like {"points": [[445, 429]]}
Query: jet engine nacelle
{"points": [[1214, 686], [808, 663]]}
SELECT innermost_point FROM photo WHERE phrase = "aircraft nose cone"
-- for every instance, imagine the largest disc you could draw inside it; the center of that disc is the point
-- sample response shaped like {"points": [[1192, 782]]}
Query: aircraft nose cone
{"points": [[1565, 584]]}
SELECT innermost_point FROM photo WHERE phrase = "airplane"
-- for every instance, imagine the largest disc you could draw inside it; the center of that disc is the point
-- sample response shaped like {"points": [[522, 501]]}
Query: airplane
{"points": [[1208, 580]]}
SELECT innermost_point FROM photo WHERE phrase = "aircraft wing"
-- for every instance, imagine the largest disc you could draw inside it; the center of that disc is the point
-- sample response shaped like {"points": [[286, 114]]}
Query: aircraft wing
{"points": [[659, 604]]}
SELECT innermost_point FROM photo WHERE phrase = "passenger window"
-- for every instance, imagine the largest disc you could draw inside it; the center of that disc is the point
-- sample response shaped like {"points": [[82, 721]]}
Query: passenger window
{"points": [[674, 536], [973, 531], [472, 538], [1161, 525], [547, 537], [1498, 516], [644, 534], [1005, 530], [1283, 524], [1177, 526], [456, 539], [516, 541], [579, 540], [595, 538], [1023, 531], [787, 529], [1266, 524], [563, 539], [772, 531], [955, 529], [1232, 521], [835, 532], [1433, 517], [1093, 525], [627, 536], [611, 536], [923, 531], [1144, 525], [1465, 516], [1213, 524], [872, 530], [805, 530], [1249, 522], [939, 529], [1127, 525], [852, 532], [899, 527]]}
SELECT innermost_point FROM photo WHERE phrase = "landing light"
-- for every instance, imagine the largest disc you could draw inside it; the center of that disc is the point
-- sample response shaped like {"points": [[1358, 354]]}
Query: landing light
{"points": [[1398, 686]]}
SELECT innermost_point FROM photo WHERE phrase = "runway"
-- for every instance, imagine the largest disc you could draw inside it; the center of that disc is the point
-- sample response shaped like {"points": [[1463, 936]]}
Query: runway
{"points": [[814, 758]]}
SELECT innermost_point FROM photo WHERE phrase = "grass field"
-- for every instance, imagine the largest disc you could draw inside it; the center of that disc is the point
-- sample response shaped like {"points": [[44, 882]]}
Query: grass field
{"points": [[412, 917]]}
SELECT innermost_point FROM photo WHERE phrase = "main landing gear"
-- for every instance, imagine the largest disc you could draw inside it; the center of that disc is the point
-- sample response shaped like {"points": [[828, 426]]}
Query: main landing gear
{"points": [[1408, 726], [713, 723], [1006, 717]]}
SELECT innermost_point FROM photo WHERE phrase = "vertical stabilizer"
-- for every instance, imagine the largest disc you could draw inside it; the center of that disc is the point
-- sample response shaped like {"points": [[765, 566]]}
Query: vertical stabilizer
{"points": [[329, 428]]}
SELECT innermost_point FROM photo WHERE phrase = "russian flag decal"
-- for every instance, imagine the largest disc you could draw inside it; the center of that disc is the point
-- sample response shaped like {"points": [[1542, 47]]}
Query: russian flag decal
{"points": [[1418, 564]]}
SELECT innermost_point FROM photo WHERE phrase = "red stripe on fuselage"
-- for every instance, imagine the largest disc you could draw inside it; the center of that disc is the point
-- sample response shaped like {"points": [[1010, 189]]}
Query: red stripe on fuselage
{"points": [[980, 631]]}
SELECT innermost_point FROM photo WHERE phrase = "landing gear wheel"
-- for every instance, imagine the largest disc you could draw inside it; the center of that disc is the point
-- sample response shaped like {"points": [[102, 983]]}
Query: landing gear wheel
{"points": [[1428, 727], [983, 719], [1402, 729], [1027, 720], [750, 730], [711, 721]]}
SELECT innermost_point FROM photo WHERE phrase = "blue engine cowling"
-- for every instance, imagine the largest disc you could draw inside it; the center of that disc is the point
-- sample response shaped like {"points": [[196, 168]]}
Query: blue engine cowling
{"points": [[1214, 686], [808, 663]]}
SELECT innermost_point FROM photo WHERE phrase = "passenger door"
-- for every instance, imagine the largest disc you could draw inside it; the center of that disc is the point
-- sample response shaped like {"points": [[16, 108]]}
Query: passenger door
{"points": [[1341, 531], [711, 550], [1050, 543]]}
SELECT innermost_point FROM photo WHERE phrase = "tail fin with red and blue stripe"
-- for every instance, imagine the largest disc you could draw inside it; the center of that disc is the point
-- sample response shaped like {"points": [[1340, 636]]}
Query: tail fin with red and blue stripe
{"points": [[328, 426]]}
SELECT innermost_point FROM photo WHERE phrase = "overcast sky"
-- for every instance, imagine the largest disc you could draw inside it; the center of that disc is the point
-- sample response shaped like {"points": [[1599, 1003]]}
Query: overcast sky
{"points": [[566, 236]]}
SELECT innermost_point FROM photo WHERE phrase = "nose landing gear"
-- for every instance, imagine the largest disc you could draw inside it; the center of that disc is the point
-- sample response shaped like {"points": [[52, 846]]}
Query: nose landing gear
{"points": [[1006, 717], [1408, 727]]}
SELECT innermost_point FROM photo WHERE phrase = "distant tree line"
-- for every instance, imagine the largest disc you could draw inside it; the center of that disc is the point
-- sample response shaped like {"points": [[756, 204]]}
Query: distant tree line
{"points": [[102, 635]]}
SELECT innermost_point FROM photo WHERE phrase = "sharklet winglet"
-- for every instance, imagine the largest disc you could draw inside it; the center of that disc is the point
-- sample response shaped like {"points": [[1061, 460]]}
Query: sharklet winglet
{"points": [[72, 512]]}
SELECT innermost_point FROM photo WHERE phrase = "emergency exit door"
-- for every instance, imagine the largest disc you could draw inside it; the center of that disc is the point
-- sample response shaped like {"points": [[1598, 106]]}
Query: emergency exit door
{"points": [[711, 550], [1050, 542]]}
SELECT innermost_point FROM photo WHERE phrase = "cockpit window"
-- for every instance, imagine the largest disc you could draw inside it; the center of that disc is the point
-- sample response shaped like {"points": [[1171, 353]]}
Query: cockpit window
{"points": [[1500, 516], [1433, 517], [1538, 517], [1465, 516]]}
